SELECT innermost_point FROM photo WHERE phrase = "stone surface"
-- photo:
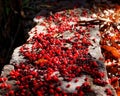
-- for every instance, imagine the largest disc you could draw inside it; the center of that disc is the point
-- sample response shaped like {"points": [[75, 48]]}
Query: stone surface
{"points": [[94, 52]]}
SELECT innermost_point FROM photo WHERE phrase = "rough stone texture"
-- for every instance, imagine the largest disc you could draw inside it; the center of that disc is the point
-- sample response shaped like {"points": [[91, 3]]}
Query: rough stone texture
{"points": [[94, 51], [6, 70]]}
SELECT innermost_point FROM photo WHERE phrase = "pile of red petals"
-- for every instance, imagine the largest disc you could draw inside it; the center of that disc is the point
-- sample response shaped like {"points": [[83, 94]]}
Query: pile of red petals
{"points": [[53, 58]]}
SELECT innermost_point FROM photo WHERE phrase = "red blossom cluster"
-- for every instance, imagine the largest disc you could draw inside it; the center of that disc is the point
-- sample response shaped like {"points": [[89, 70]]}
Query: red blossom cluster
{"points": [[37, 75], [50, 61]]}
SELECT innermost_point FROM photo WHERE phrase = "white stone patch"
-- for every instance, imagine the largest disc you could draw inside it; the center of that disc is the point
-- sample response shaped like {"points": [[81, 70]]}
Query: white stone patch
{"points": [[6, 70], [37, 30], [86, 19], [72, 84], [67, 35], [72, 23], [17, 57], [39, 20], [95, 49]]}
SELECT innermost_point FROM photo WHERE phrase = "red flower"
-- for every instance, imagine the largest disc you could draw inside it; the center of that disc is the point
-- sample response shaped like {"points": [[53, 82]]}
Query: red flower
{"points": [[109, 92], [14, 74]]}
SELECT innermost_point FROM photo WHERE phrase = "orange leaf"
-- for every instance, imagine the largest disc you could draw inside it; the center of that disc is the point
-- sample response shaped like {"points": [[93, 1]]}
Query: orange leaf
{"points": [[118, 91], [114, 51], [42, 60]]}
